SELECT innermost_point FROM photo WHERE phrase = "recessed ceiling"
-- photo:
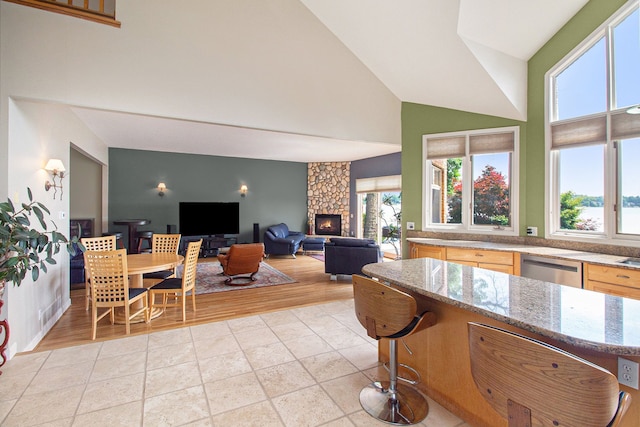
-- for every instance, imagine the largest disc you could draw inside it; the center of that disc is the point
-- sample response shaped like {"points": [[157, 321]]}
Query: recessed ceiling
{"points": [[135, 131]]}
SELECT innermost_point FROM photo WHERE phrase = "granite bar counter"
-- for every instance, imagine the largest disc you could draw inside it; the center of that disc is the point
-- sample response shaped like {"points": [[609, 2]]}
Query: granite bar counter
{"points": [[586, 319], [592, 325]]}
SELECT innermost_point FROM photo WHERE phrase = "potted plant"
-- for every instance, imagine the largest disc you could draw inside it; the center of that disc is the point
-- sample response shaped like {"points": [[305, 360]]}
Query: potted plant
{"points": [[24, 248]]}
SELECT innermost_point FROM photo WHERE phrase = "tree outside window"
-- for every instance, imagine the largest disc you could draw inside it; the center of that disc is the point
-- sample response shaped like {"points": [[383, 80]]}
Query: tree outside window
{"points": [[479, 180]]}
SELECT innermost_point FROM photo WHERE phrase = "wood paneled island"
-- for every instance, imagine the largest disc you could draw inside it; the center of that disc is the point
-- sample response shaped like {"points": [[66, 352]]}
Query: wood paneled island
{"points": [[592, 325]]}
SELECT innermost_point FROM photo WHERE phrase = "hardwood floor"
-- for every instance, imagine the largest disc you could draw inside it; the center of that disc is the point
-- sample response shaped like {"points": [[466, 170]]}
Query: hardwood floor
{"points": [[313, 286]]}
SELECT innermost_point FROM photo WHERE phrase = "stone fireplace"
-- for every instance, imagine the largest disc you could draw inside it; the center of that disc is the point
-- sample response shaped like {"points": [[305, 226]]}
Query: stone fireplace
{"points": [[328, 194]]}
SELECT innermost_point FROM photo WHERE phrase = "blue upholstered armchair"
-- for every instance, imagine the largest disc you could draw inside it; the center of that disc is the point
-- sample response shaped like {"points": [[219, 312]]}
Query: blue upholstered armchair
{"points": [[278, 240], [346, 255]]}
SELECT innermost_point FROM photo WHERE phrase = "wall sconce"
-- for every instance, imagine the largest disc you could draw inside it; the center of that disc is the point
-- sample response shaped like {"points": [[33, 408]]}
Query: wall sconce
{"points": [[243, 190], [56, 168], [161, 189]]}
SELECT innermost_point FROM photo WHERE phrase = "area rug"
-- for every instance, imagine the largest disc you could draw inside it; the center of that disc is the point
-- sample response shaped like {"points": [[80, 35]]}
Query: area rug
{"points": [[319, 257], [209, 278]]}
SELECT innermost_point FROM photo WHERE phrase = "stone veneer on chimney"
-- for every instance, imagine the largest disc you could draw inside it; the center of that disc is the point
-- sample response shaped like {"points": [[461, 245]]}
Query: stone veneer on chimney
{"points": [[328, 192]]}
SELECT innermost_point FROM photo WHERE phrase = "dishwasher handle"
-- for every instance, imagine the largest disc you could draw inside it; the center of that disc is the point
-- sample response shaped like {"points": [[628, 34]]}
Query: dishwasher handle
{"points": [[548, 264]]}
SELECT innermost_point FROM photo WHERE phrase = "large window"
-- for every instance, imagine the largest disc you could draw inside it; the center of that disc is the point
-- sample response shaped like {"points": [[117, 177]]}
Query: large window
{"points": [[593, 137], [471, 181]]}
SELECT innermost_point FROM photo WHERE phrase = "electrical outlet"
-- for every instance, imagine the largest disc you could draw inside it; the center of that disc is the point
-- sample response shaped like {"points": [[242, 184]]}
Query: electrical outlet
{"points": [[532, 231], [628, 373], [411, 225]]}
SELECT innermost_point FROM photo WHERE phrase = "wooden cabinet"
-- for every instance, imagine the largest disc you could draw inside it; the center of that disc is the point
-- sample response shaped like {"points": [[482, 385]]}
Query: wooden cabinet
{"points": [[426, 251], [502, 261], [617, 281]]}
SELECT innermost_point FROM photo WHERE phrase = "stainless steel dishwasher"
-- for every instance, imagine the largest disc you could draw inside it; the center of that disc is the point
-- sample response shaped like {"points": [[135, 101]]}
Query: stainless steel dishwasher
{"points": [[561, 271]]}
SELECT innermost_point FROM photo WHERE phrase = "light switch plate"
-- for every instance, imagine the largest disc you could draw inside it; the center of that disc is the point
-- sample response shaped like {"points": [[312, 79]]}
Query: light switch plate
{"points": [[411, 225]]}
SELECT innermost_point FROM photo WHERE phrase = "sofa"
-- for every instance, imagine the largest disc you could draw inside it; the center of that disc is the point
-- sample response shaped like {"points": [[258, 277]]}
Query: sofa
{"points": [[279, 240], [76, 265], [345, 255]]}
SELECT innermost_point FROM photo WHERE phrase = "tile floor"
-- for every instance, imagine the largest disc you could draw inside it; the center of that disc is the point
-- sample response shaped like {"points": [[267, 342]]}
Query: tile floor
{"points": [[298, 367]]}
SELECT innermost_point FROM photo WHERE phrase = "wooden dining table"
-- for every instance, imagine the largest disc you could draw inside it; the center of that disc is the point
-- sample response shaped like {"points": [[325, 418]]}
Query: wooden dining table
{"points": [[139, 264]]}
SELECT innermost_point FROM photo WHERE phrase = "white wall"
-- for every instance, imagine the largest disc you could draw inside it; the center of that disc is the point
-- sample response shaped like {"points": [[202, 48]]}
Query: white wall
{"points": [[266, 64], [38, 132]]}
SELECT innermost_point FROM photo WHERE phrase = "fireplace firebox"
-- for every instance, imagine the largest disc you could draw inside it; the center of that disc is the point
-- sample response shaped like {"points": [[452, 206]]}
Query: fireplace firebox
{"points": [[328, 224]]}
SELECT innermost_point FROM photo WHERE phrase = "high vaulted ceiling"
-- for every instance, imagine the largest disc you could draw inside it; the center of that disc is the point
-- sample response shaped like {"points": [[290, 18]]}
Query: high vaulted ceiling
{"points": [[468, 55]]}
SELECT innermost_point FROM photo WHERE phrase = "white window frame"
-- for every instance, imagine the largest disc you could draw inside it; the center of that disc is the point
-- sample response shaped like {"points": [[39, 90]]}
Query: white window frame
{"points": [[467, 185], [378, 184], [552, 193]]}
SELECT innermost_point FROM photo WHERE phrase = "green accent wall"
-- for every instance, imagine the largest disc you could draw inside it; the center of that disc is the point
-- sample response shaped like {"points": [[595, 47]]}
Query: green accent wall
{"points": [[418, 120], [277, 190]]}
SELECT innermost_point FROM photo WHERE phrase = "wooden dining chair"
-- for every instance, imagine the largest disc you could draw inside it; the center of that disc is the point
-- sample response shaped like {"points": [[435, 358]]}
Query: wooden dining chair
{"points": [[164, 243], [531, 383], [104, 243], [110, 288], [177, 288]]}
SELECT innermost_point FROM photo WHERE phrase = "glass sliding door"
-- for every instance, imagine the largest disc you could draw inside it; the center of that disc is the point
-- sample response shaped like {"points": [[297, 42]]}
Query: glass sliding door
{"points": [[379, 219]]}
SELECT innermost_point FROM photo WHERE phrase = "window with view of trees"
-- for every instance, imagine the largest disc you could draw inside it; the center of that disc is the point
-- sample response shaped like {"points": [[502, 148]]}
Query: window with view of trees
{"points": [[380, 212], [472, 180], [593, 142]]}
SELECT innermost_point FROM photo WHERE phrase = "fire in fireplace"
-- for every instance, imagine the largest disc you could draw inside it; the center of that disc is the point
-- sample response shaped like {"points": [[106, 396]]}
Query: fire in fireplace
{"points": [[329, 225]]}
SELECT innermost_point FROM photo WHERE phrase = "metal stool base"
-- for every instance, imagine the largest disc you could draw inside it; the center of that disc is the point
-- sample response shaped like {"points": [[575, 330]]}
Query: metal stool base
{"points": [[410, 406]]}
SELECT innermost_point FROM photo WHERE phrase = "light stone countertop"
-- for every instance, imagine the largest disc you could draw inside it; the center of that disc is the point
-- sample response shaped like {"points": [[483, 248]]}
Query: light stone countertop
{"points": [[575, 255], [586, 319]]}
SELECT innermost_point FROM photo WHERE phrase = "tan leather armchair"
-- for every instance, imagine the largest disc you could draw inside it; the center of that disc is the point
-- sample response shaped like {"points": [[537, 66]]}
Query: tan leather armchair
{"points": [[242, 259]]}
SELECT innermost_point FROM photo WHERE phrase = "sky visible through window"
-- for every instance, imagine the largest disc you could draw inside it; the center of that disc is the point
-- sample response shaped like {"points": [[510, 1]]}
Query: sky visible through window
{"points": [[581, 90]]}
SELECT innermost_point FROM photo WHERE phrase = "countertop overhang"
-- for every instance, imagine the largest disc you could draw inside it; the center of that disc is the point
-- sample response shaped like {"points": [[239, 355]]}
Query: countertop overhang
{"points": [[582, 318]]}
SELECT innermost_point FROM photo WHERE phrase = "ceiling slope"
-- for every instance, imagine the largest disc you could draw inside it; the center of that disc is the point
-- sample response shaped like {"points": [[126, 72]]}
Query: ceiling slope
{"points": [[467, 55]]}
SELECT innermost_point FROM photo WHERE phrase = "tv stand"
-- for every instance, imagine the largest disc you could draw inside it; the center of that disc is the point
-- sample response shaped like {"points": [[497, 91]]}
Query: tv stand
{"points": [[210, 244]]}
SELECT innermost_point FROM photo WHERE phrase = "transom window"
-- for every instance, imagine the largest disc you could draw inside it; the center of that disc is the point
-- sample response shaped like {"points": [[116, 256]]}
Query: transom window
{"points": [[593, 137], [471, 181]]}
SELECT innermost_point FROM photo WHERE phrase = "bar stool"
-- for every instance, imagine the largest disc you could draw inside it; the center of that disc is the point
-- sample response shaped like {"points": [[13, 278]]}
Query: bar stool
{"points": [[529, 382], [144, 236], [386, 312]]}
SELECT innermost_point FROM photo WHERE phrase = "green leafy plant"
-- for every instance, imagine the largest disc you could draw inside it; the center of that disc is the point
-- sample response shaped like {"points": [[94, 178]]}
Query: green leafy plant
{"points": [[24, 248]]}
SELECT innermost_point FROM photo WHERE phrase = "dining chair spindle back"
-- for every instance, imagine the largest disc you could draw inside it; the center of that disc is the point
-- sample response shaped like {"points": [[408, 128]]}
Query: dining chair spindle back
{"points": [[110, 288], [103, 243], [176, 287]]}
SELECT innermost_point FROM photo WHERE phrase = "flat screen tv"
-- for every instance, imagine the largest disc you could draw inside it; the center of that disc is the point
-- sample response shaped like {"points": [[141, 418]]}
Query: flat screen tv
{"points": [[209, 218]]}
